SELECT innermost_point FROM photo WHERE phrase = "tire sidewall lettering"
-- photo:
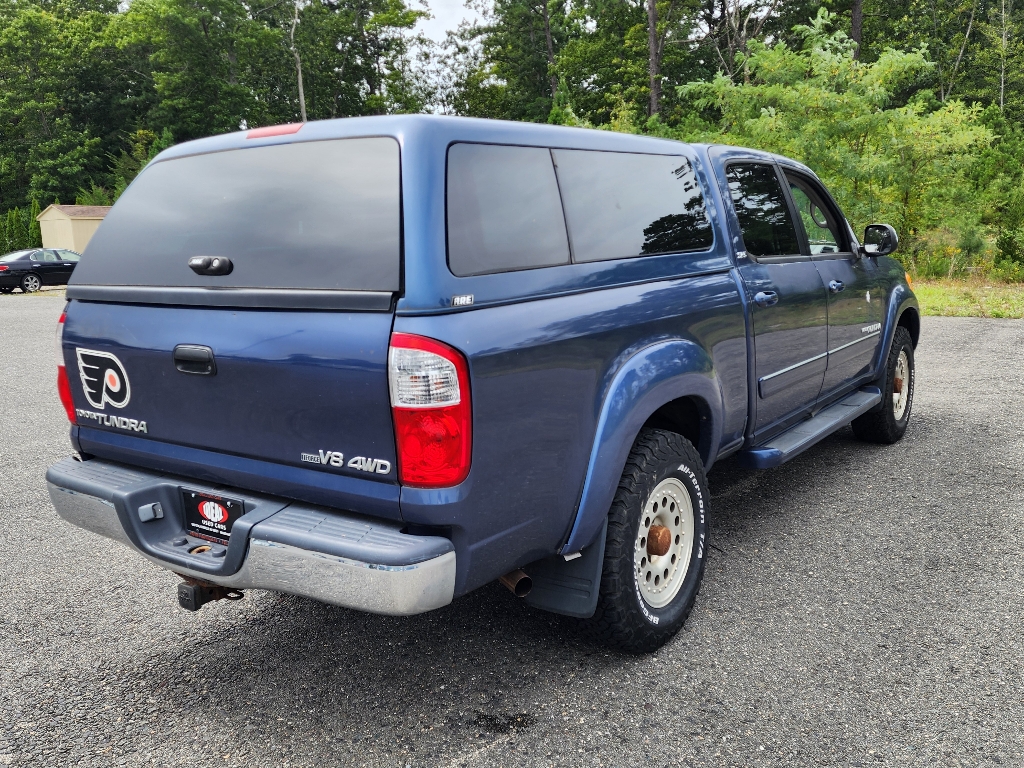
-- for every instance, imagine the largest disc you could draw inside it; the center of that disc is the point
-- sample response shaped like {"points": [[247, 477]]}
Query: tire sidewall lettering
{"points": [[691, 482]]}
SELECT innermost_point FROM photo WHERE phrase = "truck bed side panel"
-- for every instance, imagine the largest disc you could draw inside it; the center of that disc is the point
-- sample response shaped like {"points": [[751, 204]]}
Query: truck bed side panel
{"points": [[540, 373]]}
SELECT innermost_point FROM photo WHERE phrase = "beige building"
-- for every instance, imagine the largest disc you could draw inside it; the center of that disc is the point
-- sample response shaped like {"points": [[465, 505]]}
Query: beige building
{"points": [[70, 226]]}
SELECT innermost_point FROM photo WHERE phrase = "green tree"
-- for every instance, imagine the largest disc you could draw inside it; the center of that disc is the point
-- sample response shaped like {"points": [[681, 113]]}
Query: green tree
{"points": [[909, 164], [35, 233], [507, 66], [355, 57], [46, 150], [214, 67]]}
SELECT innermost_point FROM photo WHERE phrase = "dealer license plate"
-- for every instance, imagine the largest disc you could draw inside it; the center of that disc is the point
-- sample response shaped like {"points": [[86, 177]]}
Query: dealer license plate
{"points": [[208, 516]]}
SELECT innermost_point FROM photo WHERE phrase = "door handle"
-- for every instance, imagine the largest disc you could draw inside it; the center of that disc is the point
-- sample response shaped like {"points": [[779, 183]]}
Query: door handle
{"points": [[766, 298], [192, 358], [836, 286]]}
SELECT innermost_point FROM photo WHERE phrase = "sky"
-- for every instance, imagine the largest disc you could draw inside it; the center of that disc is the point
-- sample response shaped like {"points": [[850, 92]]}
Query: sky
{"points": [[447, 15]]}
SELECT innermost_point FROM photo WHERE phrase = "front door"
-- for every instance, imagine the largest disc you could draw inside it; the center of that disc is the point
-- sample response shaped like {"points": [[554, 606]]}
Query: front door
{"points": [[48, 267], [856, 300], [787, 297]]}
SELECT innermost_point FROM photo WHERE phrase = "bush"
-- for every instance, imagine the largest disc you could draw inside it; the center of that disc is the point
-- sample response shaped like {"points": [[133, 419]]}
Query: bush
{"points": [[947, 253], [1008, 272], [1010, 247]]}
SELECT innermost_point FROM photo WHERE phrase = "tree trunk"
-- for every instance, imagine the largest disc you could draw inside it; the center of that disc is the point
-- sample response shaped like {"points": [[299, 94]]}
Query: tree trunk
{"points": [[857, 25], [298, 65], [1002, 64], [653, 57], [552, 77]]}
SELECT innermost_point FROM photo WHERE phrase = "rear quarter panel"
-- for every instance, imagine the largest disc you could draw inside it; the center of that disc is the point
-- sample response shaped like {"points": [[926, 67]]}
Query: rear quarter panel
{"points": [[541, 371]]}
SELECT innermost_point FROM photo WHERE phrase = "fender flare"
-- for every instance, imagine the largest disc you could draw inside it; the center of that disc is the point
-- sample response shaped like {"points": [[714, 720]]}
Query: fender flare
{"points": [[901, 299], [653, 376]]}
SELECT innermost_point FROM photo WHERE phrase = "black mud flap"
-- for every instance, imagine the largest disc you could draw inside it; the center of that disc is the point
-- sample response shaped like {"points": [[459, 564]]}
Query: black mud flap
{"points": [[569, 587]]}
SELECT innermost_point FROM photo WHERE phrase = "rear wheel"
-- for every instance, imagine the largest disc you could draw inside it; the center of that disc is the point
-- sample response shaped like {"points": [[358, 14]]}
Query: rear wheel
{"points": [[31, 283], [654, 553], [888, 424]]}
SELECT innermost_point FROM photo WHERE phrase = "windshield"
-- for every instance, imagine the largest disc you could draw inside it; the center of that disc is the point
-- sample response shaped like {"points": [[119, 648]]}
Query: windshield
{"points": [[320, 214], [15, 256]]}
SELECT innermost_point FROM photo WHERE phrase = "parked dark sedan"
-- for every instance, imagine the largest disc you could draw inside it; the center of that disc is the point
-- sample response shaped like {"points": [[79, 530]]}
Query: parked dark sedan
{"points": [[31, 269]]}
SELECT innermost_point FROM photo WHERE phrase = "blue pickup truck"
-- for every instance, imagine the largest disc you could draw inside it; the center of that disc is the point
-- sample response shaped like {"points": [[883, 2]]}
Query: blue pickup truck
{"points": [[380, 362]]}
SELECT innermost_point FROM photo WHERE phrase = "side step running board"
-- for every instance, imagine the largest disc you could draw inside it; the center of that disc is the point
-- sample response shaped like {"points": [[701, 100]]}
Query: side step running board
{"points": [[798, 439]]}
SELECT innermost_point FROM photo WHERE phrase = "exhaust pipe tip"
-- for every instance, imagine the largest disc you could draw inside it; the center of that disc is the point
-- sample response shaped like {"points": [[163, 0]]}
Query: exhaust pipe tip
{"points": [[518, 583]]}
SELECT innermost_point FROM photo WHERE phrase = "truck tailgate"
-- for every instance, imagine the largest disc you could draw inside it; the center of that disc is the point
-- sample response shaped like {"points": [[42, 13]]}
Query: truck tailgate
{"points": [[302, 388]]}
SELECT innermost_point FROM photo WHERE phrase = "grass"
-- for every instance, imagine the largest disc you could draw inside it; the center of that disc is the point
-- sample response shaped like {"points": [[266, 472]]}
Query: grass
{"points": [[959, 298]]}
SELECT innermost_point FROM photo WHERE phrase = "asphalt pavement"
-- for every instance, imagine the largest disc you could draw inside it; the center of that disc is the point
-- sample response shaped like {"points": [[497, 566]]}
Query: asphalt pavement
{"points": [[862, 605]]}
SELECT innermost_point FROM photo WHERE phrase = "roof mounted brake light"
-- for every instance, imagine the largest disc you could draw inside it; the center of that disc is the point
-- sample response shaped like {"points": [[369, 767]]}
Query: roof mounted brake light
{"points": [[274, 130]]}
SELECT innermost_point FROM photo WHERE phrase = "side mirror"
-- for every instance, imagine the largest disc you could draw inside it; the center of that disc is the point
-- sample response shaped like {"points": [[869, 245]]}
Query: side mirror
{"points": [[879, 240]]}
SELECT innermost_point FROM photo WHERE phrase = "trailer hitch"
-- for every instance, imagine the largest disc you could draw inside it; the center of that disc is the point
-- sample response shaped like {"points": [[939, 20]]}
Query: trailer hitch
{"points": [[194, 594]]}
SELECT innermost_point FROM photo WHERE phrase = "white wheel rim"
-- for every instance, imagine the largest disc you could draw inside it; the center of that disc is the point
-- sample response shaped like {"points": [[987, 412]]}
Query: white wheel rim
{"points": [[659, 577], [32, 283], [901, 386]]}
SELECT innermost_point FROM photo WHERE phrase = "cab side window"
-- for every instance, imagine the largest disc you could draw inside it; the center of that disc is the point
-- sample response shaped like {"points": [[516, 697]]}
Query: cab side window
{"points": [[47, 256], [504, 211], [824, 234], [69, 256], [766, 222]]}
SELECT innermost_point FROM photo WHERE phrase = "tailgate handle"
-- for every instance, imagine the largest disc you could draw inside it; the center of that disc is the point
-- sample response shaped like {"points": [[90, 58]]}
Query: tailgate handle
{"points": [[210, 265], [192, 358]]}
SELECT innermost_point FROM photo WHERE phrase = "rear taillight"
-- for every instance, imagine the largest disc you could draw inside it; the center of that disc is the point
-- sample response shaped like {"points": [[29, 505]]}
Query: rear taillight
{"points": [[63, 385], [4, 267], [429, 384]]}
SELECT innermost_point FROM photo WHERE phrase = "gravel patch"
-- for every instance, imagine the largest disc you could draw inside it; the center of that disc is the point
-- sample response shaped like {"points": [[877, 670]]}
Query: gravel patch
{"points": [[861, 606]]}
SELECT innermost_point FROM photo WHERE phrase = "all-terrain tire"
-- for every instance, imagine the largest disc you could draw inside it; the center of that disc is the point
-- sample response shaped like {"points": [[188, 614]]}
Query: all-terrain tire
{"points": [[888, 424], [624, 619]]}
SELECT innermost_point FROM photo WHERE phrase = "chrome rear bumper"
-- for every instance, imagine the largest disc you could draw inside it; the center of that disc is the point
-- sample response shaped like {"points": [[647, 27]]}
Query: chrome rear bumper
{"points": [[327, 555]]}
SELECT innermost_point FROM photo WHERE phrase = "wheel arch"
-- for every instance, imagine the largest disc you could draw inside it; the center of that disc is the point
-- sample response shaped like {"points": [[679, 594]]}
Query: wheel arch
{"points": [[903, 310], [671, 384], [910, 319], [689, 416]]}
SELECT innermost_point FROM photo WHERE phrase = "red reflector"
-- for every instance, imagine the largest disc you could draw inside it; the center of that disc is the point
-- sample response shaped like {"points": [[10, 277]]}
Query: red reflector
{"points": [[274, 130], [435, 442], [64, 390], [434, 445]]}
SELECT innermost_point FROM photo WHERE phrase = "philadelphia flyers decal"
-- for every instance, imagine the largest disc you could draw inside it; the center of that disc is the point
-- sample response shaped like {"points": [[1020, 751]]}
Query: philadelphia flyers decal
{"points": [[103, 379]]}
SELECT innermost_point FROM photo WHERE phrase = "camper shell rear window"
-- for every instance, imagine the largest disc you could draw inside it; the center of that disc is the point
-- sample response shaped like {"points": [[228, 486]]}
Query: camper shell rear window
{"points": [[309, 215]]}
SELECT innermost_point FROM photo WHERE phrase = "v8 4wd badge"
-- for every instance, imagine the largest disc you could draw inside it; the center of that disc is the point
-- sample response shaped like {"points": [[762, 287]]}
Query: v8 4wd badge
{"points": [[337, 459]]}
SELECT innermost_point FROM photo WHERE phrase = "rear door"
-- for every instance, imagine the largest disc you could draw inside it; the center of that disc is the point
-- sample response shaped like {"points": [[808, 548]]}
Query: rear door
{"points": [[280, 356], [68, 261], [788, 299], [856, 300]]}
